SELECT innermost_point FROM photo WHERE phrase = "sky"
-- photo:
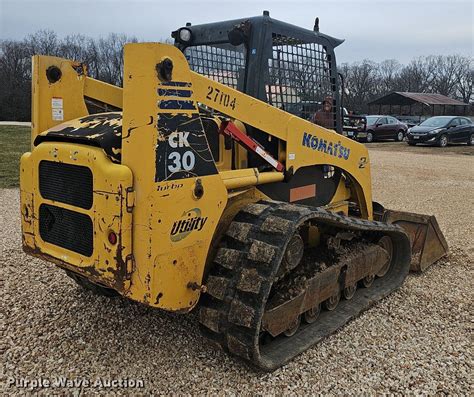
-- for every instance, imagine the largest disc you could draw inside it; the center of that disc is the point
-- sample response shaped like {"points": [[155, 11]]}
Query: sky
{"points": [[375, 30]]}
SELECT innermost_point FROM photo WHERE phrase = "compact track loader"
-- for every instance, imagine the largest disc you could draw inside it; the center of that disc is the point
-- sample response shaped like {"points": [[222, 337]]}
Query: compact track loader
{"points": [[203, 182]]}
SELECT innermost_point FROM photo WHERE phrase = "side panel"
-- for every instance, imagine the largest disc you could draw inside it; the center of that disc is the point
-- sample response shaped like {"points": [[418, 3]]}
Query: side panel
{"points": [[58, 90], [308, 186], [164, 145], [45, 207], [54, 102], [310, 144]]}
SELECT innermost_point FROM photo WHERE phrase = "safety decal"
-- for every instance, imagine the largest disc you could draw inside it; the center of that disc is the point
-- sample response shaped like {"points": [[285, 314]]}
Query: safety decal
{"points": [[57, 111]]}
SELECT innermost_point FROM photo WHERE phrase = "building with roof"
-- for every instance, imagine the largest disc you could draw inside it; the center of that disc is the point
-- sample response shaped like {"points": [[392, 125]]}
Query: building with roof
{"points": [[411, 104]]}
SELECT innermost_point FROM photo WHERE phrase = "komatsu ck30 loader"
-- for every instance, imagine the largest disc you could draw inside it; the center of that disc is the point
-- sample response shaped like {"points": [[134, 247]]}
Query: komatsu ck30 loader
{"points": [[202, 183]]}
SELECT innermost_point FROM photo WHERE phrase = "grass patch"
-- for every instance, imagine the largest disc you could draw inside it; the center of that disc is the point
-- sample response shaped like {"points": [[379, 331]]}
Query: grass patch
{"points": [[14, 141]]}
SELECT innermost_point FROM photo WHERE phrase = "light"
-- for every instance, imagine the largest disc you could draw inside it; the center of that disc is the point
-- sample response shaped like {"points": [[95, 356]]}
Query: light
{"points": [[112, 238], [185, 35], [435, 131]]}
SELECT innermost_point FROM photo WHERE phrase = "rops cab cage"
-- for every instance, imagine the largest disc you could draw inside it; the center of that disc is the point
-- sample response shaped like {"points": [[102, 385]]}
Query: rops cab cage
{"points": [[286, 66]]}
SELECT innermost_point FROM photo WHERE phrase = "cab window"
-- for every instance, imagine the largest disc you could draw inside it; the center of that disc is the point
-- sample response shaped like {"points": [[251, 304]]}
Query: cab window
{"points": [[455, 123], [391, 120]]}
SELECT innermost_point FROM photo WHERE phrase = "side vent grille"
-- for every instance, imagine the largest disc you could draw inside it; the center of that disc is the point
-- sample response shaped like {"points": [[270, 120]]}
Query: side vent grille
{"points": [[67, 229], [66, 183]]}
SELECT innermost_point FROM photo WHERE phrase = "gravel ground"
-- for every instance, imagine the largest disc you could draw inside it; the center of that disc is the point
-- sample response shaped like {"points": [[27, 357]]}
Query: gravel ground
{"points": [[416, 341], [421, 149]]}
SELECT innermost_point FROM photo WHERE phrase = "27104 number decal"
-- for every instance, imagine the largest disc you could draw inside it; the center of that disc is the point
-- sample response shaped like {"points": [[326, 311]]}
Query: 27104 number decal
{"points": [[217, 96]]}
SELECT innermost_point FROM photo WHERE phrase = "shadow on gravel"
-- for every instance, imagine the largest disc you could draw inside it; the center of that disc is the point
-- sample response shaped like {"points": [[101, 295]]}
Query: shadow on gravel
{"points": [[116, 326]]}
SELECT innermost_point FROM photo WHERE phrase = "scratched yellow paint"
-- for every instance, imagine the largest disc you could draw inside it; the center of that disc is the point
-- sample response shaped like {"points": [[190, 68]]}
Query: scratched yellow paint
{"points": [[108, 212], [164, 268], [71, 88], [170, 230]]}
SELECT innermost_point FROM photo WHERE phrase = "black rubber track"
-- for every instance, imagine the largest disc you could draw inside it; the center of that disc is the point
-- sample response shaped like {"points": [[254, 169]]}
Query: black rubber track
{"points": [[244, 269]]}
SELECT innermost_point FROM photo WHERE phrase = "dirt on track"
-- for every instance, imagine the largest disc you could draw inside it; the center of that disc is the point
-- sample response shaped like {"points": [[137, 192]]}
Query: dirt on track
{"points": [[418, 340]]}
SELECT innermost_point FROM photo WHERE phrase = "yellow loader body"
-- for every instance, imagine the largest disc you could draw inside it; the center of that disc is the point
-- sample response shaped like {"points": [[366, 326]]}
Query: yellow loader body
{"points": [[153, 201]]}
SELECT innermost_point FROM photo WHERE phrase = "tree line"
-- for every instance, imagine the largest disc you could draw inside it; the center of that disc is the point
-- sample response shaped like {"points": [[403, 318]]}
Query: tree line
{"points": [[103, 57], [450, 75]]}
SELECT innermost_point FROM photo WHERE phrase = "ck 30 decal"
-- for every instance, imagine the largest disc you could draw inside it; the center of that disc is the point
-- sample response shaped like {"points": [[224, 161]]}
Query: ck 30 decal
{"points": [[190, 221], [182, 150], [184, 161]]}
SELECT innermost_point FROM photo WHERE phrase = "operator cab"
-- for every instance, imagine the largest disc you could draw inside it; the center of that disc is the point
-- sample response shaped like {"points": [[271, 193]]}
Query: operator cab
{"points": [[286, 66]]}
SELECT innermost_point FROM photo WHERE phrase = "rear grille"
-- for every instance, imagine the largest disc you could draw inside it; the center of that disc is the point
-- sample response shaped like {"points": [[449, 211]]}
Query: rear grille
{"points": [[66, 183], [67, 229]]}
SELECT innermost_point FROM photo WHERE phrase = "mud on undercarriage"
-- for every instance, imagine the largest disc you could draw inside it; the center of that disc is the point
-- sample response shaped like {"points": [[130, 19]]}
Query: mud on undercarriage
{"points": [[253, 309]]}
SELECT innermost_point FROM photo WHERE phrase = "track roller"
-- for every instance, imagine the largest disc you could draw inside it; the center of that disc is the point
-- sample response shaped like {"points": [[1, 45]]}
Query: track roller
{"points": [[311, 315], [293, 327], [332, 302], [349, 291], [248, 311]]}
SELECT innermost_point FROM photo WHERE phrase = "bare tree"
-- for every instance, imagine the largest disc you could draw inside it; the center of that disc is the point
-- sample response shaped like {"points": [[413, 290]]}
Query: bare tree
{"points": [[464, 77], [361, 80], [43, 42], [388, 74], [451, 75], [110, 50], [103, 56], [418, 75], [75, 47], [15, 74], [444, 81]]}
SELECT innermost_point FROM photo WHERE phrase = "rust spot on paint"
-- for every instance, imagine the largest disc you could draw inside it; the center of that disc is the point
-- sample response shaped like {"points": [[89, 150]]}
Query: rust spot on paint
{"points": [[158, 297]]}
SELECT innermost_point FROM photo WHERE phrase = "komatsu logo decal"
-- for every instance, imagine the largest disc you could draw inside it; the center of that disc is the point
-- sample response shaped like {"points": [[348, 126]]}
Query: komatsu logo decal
{"points": [[190, 220], [322, 145]]}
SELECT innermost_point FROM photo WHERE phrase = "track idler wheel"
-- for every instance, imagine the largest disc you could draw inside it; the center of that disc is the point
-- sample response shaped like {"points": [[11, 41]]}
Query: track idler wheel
{"points": [[311, 315], [349, 291], [295, 324], [293, 255], [332, 302], [386, 243]]}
